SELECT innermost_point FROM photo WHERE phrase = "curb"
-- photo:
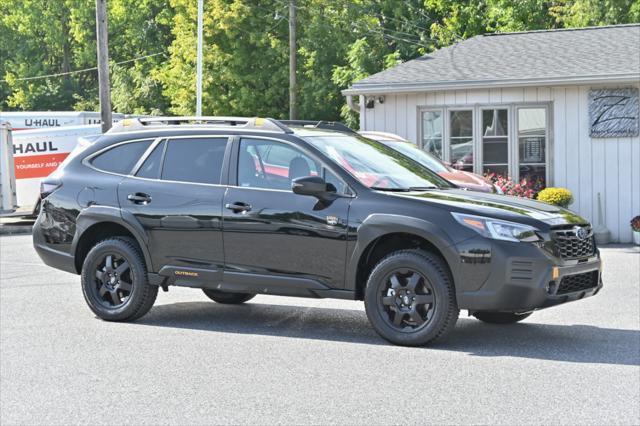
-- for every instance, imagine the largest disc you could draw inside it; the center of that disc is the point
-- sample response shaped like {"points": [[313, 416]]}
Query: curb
{"points": [[15, 229]]}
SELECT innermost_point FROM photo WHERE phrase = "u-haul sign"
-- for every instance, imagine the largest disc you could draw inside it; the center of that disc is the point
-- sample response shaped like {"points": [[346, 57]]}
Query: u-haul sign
{"points": [[21, 120], [37, 153]]}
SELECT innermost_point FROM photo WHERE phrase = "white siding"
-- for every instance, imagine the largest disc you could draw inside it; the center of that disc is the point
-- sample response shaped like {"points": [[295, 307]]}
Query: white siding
{"points": [[610, 167]]}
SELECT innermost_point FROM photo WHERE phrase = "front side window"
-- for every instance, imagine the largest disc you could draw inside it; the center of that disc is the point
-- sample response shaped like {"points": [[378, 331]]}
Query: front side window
{"points": [[272, 165], [374, 164], [461, 139], [194, 160], [532, 138], [121, 158]]}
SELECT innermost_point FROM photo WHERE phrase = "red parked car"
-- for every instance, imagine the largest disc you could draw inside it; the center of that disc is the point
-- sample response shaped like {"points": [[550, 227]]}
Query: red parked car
{"points": [[463, 179]]}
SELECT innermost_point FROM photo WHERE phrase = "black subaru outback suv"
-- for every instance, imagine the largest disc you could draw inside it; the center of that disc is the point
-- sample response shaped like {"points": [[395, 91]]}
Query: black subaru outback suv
{"points": [[239, 207]]}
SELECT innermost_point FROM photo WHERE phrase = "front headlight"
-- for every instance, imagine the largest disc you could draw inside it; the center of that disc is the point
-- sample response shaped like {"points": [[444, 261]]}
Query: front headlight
{"points": [[498, 229]]}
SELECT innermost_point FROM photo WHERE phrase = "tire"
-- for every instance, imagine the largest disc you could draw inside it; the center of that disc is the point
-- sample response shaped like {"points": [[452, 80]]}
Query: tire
{"points": [[115, 291], [227, 298], [500, 317], [391, 292]]}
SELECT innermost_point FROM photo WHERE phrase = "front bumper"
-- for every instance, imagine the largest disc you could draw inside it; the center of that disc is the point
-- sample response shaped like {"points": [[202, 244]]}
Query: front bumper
{"points": [[522, 277]]}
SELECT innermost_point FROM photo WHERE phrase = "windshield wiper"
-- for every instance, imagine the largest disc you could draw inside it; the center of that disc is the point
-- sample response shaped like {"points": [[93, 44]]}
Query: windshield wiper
{"points": [[379, 188], [410, 189], [422, 188]]}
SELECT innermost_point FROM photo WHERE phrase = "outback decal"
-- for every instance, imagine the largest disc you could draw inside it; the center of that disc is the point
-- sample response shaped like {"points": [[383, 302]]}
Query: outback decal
{"points": [[186, 273]]}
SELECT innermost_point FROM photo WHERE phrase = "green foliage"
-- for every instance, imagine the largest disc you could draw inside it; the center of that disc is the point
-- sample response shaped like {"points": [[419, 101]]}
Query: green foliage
{"points": [[49, 37], [246, 48], [557, 196]]}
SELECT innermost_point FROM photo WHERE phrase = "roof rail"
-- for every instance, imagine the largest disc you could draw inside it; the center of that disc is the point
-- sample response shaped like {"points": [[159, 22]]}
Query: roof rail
{"points": [[143, 123], [315, 124]]}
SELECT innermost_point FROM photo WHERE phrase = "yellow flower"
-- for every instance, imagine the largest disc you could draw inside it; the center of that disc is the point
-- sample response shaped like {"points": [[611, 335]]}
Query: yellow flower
{"points": [[557, 196]]}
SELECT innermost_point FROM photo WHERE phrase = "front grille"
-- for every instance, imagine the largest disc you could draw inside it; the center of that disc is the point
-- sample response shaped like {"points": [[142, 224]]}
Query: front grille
{"points": [[567, 245], [578, 282]]}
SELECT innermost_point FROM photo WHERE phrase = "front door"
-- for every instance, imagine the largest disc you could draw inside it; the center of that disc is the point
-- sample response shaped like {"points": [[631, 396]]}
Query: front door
{"points": [[275, 237], [176, 195]]}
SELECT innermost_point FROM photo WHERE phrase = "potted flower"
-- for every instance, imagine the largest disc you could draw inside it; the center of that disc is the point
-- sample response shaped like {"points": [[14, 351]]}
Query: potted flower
{"points": [[557, 196], [635, 227]]}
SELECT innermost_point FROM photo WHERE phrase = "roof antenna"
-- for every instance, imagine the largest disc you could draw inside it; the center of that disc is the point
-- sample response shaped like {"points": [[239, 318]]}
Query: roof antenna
{"points": [[601, 232]]}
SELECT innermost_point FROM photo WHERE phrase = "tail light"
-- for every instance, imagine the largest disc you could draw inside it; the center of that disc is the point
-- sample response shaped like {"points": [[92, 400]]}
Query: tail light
{"points": [[47, 186]]}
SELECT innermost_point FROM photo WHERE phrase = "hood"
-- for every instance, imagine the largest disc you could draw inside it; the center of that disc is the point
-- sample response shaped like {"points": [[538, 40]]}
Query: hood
{"points": [[467, 180], [521, 210]]}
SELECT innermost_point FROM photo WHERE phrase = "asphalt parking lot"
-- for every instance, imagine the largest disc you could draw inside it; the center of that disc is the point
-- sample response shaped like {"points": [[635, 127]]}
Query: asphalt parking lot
{"points": [[290, 360]]}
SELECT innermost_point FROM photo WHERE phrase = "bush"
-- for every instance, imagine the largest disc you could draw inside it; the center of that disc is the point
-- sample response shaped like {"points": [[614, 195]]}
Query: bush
{"points": [[525, 188], [557, 196], [635, 224]]}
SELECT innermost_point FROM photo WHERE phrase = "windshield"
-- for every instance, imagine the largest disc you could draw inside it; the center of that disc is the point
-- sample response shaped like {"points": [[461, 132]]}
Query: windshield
{"points": [[375, 164], [410, 150]]}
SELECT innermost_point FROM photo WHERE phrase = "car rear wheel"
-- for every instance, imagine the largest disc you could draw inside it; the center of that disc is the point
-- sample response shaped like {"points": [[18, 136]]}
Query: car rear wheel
{"points": [[227, 298], [114, 280], [410, 299], [501, 317]]}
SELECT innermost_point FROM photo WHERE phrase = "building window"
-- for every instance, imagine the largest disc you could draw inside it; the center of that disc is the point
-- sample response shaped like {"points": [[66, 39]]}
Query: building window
{"points": [[532, 142], [495, 141], [510, 140], [432, 132], [461, 139]]}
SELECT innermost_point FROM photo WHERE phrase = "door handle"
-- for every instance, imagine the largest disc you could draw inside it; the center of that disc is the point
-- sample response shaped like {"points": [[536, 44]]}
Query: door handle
{"points": [[139, 198], [238, 207]]}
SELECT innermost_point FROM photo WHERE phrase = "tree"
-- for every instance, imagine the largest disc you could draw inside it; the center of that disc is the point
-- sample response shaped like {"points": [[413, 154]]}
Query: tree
{"points": [[42, 38], [246, 48]]}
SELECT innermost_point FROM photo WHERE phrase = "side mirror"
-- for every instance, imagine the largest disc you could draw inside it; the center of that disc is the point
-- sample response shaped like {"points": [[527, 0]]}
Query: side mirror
{"points": [[311, 185]]}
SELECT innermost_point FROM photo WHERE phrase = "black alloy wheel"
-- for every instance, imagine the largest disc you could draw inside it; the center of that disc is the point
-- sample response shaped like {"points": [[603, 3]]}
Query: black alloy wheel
{"points": [[114, 280], [408, 300]]}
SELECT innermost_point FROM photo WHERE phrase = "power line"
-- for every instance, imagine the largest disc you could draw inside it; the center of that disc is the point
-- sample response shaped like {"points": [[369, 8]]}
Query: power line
{"points": [[381, 31], [60, 74]]}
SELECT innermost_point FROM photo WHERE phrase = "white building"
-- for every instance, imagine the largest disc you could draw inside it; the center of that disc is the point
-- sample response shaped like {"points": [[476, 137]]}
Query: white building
{"points": [[557, 105]]}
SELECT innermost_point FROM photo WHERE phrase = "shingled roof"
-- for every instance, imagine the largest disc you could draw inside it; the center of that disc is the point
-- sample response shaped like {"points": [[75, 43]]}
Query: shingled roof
{"points": [[584, 55]]}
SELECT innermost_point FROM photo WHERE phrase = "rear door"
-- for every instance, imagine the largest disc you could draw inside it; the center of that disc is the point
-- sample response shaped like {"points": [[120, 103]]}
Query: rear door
{"points": [[176, 194]]}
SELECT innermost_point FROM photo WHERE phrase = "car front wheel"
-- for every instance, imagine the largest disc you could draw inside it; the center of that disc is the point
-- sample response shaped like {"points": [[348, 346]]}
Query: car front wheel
{"points": [[410, 298]]}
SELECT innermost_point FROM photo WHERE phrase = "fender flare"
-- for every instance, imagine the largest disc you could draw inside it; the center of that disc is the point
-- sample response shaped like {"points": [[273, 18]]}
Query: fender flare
{"points": [[378, 225], [96, 214]]}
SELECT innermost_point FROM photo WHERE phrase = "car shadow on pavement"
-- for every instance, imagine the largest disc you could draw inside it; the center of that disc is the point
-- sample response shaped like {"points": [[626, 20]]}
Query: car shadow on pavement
{"points": [[570, 343]]}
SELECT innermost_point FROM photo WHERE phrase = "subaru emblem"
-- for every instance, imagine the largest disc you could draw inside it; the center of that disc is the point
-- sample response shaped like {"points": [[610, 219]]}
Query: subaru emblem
{"points": [[580, 232]]}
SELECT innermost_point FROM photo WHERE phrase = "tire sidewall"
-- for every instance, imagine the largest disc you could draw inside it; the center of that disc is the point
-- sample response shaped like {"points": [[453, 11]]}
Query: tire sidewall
{"points": [[440, 286], [138, 279]]}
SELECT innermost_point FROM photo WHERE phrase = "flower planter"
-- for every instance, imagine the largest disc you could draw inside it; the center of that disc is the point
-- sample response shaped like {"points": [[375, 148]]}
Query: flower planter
{"points": [[636, 238]]}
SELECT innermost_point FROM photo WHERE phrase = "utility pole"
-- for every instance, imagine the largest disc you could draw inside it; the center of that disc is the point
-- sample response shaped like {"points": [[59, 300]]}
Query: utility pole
{"points": [[199, 61], [293, 108], [103, 64]]}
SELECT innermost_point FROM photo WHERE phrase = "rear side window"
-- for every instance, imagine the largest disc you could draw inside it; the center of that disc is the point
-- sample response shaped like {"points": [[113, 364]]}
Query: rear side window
{"points": [[121, 158], [151, 166], [197, 160]]}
